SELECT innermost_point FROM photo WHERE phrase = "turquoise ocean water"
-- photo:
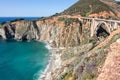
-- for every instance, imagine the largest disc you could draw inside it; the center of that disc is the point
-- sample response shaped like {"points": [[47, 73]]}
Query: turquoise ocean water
{"points": [[22, 60]]}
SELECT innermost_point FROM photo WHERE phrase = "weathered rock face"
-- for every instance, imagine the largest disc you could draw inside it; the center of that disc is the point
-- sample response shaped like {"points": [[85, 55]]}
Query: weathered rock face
{"points": [[101, 62], [2, 33], [21, 30], [111, 68], [50, 31]]}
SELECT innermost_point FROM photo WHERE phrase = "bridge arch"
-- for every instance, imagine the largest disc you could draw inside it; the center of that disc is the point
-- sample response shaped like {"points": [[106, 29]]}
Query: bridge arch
{"points": [[102, 29]]}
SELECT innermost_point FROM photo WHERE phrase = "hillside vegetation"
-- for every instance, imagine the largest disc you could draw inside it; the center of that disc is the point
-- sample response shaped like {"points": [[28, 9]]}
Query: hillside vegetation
{"points": [[85, 7]]}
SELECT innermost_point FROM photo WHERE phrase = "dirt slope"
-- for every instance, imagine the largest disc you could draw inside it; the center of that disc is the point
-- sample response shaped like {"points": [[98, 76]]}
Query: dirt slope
{"points": [[111, 68]]}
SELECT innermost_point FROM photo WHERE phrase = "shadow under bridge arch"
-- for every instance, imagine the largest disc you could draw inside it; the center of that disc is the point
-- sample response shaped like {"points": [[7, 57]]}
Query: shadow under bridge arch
{"points": [[102, 29]]}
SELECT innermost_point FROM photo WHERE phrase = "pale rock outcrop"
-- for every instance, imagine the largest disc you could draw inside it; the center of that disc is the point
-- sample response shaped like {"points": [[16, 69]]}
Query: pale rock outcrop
{"points": [[111, 68], [2, 33], [52, 31]]}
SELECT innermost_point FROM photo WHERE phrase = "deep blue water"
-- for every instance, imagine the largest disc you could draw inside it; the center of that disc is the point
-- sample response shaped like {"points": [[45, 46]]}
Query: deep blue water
{"points": [[22, 60], [7, 19]]}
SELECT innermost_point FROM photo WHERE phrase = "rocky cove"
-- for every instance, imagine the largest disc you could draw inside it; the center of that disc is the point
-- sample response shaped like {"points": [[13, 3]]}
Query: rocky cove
{"points": [[51, 31], [70, 44], [75, 55]]}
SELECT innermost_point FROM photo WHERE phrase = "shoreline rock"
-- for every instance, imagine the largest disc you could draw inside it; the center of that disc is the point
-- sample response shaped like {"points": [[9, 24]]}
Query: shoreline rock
{"points": [[54, 64], [51, 31]]}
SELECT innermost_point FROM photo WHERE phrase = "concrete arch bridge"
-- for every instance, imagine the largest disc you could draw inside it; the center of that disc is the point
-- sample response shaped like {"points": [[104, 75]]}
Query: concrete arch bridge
{"points": [[106, 25]]}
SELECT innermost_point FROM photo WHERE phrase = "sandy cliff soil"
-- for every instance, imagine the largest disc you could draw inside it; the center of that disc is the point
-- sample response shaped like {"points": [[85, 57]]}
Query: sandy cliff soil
{"points": [[111, 68]]}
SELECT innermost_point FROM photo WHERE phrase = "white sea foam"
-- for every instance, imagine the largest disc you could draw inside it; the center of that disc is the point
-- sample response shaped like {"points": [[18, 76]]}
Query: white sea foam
{"points": [[48, 46], [37, 75], [54, 63], [41, 74]]}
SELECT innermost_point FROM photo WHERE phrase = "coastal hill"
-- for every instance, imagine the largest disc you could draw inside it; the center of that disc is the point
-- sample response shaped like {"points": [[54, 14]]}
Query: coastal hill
{"points": [[94, 8], [76, 55]]}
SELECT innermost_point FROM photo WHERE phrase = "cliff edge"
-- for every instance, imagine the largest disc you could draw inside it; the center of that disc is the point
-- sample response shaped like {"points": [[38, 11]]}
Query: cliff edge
{"points": [[76, 55]]}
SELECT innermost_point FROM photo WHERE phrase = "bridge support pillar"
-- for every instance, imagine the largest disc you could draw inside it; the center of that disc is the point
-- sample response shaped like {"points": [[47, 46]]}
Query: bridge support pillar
{"points": [[92, 27], [115, 25]]}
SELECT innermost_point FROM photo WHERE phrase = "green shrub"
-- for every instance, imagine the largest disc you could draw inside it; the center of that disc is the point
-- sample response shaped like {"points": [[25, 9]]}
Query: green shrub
{"points": [[56, 14], [83, 7], [89, 76], [61, 19], [69, 74], [69, 21], [114, 38], [67, 56]]}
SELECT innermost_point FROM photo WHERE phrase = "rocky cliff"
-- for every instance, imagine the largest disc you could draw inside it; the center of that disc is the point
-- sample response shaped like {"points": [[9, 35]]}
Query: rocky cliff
{"points": [[76, 55], [56, 32], [81, 57], [111, 68]]}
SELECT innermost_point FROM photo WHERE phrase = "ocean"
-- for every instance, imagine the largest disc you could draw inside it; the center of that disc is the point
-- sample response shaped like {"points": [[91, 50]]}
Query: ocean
{"points": [[8, 19], [22, 60]]}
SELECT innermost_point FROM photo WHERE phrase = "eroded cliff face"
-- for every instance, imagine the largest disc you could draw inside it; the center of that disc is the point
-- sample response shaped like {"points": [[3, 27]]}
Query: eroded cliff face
{"points": [[56, 31], [81, 56], [51, 30], [111, 68]]}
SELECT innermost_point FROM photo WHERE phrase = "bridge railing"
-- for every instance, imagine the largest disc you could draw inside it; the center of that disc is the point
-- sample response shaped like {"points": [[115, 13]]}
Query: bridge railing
{"points": [[101, 19]]}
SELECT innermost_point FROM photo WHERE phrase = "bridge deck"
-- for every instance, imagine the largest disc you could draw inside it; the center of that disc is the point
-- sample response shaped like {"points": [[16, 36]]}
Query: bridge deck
{"points": [[98, 19]]}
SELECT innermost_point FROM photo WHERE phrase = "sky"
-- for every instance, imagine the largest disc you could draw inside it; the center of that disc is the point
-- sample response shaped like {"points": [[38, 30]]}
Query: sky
{"points": [[33, 8], [117, 0]]}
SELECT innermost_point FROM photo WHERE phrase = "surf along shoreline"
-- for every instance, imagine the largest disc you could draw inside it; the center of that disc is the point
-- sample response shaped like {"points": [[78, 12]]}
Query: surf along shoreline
{"points": [[54, 63]]}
